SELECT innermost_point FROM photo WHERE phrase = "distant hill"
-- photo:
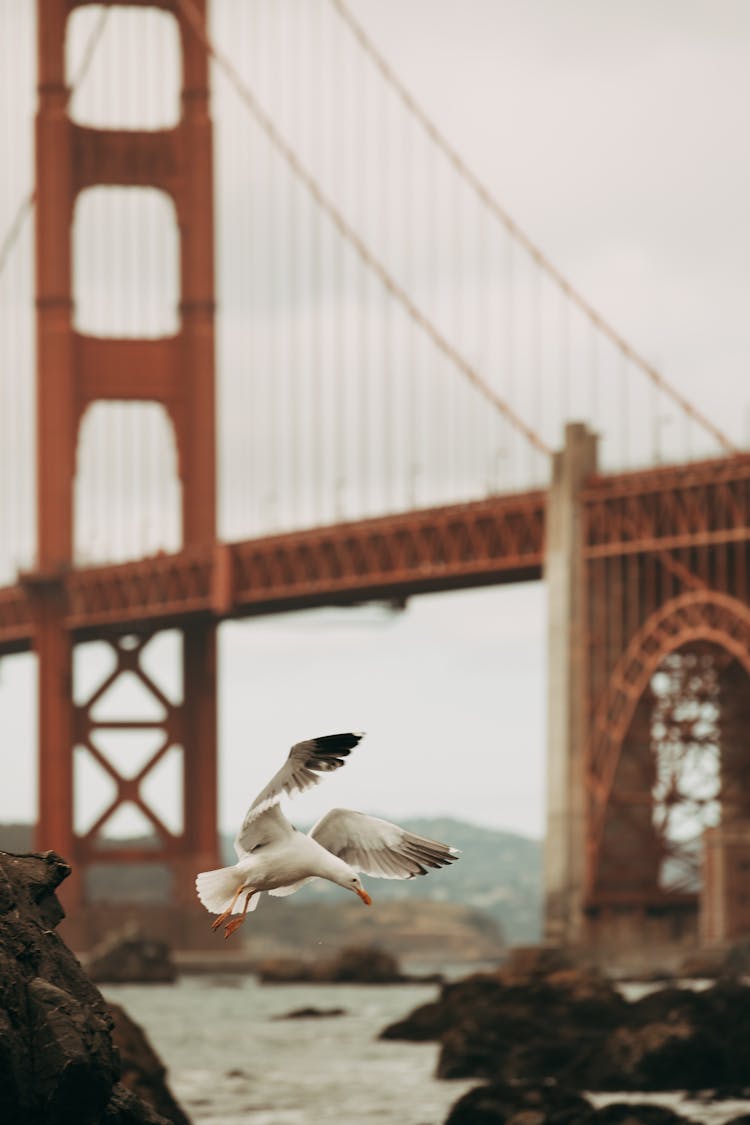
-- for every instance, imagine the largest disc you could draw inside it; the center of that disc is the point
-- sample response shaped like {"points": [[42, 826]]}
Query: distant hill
{"points": [[499, 874]]}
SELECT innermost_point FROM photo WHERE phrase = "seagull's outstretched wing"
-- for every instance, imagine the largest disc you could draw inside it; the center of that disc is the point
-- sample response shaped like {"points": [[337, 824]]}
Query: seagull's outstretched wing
{"points": [[377, 847], [303, 768]]}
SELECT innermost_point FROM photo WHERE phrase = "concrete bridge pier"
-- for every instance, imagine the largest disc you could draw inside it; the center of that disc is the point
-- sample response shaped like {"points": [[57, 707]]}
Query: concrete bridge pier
{"points": [[565, 852]]}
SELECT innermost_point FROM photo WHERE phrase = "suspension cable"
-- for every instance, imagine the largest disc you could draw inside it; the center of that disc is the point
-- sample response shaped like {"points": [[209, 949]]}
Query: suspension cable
{"points": [[26, 206], [192, 17], [516, 232]]}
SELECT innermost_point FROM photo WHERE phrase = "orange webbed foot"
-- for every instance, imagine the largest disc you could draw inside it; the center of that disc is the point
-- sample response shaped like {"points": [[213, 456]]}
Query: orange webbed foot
{"points": [[233, 926]]}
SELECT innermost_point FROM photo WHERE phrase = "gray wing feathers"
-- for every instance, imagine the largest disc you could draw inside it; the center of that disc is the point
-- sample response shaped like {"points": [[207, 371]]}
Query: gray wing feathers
{"points": [[265, 827], [378, 848], [304, 767], [306, 762]]}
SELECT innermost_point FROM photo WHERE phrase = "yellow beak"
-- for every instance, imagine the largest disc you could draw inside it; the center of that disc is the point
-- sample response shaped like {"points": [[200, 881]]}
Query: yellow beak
{"points": [[364, 896]]}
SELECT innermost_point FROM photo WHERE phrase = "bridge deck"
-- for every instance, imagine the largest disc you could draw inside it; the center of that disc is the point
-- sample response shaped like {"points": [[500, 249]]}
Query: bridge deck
{"points": [[490, 541]]}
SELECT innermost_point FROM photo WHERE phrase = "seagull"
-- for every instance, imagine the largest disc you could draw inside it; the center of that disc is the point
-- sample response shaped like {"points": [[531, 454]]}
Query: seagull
{"points": [[273, 856]]}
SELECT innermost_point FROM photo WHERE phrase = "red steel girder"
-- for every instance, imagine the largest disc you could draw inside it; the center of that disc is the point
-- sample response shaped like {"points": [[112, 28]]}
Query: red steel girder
{"points": [[488, 541], [667, 508], [16, 625], [707, 616]]}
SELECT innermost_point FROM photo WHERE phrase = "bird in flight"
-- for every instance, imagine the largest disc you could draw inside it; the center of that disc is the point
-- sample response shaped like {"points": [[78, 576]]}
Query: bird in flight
{"points": [[273, 856]]}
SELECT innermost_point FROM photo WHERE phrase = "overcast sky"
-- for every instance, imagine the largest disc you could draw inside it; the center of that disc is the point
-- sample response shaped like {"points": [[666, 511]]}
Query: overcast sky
{"points": [[615, 134]]}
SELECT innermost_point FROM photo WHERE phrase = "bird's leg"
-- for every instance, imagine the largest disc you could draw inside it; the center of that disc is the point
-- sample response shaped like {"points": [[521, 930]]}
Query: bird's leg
{"points": [[230, 910], [235, 923]]}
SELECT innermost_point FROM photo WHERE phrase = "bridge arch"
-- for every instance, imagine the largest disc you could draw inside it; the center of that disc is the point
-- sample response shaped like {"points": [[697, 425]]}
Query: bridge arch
{"points": [[704, 616]]}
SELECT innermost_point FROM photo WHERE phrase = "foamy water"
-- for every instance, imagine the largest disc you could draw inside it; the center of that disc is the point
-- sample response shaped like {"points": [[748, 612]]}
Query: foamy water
{"points": [[231, 1063]]}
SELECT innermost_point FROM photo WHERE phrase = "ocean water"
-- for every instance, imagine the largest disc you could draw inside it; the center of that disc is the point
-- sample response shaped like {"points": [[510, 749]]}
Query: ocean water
{"points": [[232, 1062]]}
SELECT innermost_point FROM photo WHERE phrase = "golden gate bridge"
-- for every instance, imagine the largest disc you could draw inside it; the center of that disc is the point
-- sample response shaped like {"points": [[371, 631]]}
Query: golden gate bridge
{"points": [[268, 343]]}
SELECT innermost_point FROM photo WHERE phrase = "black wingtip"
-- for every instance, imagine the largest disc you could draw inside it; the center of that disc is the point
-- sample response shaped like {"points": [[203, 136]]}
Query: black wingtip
{"points": [[339, 744]]}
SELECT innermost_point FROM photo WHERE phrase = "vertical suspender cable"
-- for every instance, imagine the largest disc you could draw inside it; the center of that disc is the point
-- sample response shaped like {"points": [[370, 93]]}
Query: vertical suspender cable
{"points": [[509, 350], [624, 408], [435, 447], [483, 334], [274, 444], [363, 296], [565, 355], [411, 372], [537, 357], [339, 398], [254, 371], [388, 416], [294, 292], [593, 377], [454, 312], [316, 414]]}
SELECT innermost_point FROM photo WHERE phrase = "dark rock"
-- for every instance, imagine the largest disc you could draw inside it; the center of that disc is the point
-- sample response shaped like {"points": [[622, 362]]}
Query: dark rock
{"points": [[360, 965], [311, 1013], [569, 1024], [356, 965], [549, 1104], [530, 1031], [425, 1023], [632, 1113], [126, 1108], [678, 1039], [527, 1030], [525, 961], [500, 1104], [58, 1064], [130, 957], [142, 1071]]}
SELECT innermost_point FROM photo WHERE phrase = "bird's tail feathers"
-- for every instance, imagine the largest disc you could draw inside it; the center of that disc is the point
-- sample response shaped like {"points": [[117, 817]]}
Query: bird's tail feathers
{"points": [[216, 889]]}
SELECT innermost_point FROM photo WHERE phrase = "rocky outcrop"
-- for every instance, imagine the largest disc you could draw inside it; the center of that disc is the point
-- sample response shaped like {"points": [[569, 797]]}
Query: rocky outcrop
{"points": [[500, 1104], [571, 1026], [354, 965], [58, 1062], [130, 957]]}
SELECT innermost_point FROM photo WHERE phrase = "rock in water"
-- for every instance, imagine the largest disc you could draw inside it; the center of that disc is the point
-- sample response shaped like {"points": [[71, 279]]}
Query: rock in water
{"points": [[548, 1104], [360, 965], [355, 965], [498, 1103], [544, 1021], [311, 1013], [129, 957], [58, 1064]]}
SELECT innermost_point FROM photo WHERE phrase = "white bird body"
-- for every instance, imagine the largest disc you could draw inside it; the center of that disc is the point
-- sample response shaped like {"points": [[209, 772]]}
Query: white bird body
{"points": [[281, 866], [274, 857]]}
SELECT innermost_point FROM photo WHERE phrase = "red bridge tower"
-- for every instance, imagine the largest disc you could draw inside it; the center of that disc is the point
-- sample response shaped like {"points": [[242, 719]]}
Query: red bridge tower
{"points": [[75, 370]]}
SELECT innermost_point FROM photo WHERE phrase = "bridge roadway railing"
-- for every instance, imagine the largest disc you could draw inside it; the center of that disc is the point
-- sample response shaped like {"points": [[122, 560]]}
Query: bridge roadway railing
{"points": [[489, 541]]}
